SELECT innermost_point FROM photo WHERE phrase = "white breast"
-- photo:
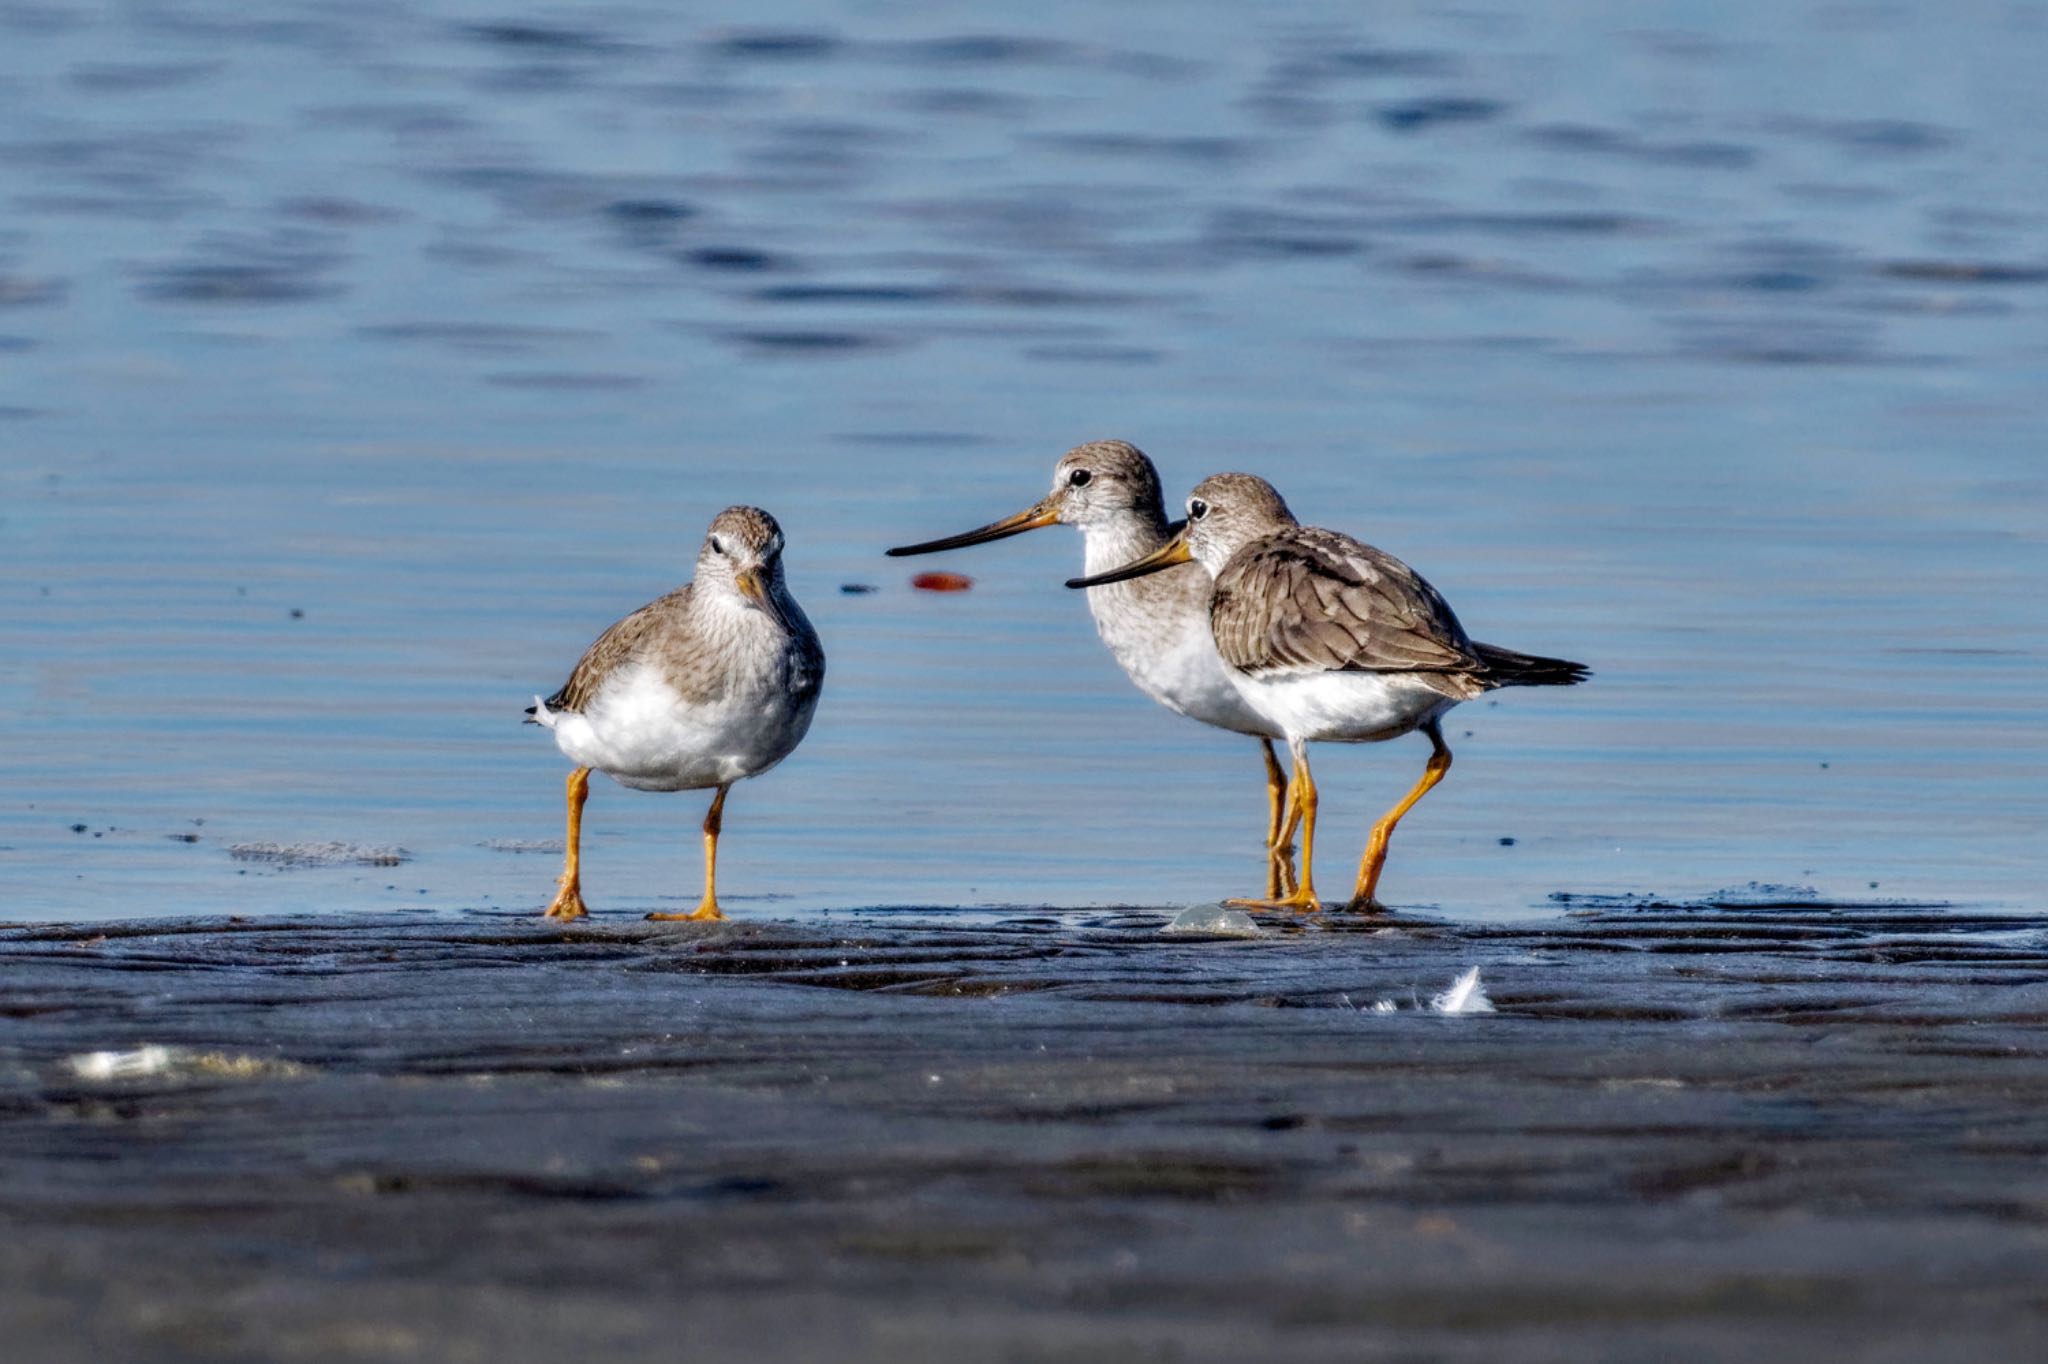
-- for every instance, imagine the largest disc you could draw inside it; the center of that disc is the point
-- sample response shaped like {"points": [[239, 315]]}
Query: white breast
{"points": [[639, 731], [1157, 629], [1184, 673]]}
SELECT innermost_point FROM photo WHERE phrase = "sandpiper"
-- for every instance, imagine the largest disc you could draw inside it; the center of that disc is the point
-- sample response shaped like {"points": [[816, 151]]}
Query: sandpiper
{"points": [[1330, 639], [714, 682], [1158, 628]]}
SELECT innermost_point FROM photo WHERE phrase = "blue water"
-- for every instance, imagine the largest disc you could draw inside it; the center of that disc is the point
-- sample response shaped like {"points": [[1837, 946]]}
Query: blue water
{"points": [[1703, 343]]}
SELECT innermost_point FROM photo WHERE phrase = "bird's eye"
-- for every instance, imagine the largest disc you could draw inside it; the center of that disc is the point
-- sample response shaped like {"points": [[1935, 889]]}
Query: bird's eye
{"points": [[1079, 478], [717, 545], [1197, 509]]}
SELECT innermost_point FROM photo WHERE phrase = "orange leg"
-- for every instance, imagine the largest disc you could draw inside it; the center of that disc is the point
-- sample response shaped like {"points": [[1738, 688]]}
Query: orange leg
{"points": [[1301, 807], [714, 820], [1364, 898], [568, 901], [1279, 851]]}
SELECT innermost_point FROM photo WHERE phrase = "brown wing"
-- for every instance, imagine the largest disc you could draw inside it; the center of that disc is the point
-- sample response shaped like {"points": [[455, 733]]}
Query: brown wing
{"points": [[625, 640], [1307, 600]]}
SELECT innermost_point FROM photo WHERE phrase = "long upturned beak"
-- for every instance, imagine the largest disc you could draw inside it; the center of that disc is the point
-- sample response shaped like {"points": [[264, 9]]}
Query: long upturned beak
{"points": [[1043, 514], [1174, 551]]}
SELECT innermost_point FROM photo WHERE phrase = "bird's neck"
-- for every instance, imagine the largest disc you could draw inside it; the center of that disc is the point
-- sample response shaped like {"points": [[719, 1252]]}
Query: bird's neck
{"points": [[1129, 535]]}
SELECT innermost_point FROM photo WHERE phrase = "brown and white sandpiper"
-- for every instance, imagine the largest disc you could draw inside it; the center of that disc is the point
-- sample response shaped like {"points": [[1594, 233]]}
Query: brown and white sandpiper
{"points": [[1329, 639], [715, 682], [1157, 627]]}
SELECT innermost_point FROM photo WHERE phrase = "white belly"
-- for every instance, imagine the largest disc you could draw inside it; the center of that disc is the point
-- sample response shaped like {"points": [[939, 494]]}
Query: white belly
{"points": [[1346, 708], [641, 733]]}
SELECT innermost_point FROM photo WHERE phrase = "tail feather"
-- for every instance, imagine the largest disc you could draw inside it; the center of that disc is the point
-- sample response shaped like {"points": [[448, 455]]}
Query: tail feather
{"points": [[1506, 668]]}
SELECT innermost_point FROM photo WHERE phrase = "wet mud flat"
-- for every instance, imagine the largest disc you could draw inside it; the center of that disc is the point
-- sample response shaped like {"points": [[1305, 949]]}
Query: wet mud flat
{"points": [[1688, 1131]]}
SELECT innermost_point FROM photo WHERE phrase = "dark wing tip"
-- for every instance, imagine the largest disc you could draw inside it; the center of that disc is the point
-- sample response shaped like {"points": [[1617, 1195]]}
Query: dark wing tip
{"points": [[1507, 668], [1565, 672]]}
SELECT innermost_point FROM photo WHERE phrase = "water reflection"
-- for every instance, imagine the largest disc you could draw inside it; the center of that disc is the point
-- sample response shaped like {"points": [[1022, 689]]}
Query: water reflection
{"points": [[448, 330]]}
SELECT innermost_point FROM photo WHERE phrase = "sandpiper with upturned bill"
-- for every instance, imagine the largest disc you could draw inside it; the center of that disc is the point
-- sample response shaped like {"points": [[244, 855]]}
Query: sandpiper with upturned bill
{"points": [[1157, 627], [1327, 638], [710, 684]]}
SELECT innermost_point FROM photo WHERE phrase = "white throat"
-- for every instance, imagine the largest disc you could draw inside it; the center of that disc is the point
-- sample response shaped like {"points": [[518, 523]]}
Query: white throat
{"points": [[1115, 542]]}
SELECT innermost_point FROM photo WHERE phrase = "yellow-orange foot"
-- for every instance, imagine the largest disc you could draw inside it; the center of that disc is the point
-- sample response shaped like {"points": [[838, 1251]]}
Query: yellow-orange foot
{"points": [[707, 910], [567, 904], [1302, 901]]}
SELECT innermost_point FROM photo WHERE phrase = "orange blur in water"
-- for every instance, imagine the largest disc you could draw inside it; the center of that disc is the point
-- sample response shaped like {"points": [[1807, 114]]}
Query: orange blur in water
{"points": [[942, 582]]}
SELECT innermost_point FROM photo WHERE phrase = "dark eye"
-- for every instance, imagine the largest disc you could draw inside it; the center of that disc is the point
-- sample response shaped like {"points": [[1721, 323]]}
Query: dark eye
{"points": [[717, 545], [1079, 478], [1197, 509]]}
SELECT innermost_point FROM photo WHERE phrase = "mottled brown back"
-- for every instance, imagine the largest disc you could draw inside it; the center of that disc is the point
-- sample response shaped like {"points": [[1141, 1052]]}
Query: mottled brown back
{"points": [[1309, 600]]}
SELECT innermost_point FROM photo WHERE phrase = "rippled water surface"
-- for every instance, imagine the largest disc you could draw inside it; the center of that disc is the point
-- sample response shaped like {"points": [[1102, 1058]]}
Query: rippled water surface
{"points": [[358, 363]]}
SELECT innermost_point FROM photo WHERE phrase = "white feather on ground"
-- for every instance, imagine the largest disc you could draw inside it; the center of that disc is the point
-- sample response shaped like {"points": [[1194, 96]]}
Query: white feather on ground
{"points": [[1466, 996], [138, 1064], [180, 1063]]}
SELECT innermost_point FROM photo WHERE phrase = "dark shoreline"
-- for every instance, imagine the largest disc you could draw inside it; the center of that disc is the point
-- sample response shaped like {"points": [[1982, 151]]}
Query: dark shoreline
{"points": [[1686, 1133]]}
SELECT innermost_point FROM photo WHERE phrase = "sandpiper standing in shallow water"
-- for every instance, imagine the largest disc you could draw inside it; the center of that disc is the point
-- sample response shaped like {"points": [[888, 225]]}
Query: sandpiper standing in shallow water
{"points": [[1157, 628], [1330, 639], [714, 682]]}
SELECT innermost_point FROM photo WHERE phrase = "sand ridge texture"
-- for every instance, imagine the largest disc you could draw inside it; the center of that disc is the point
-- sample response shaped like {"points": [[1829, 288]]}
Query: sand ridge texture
{"points": [[1689, 1132]]}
